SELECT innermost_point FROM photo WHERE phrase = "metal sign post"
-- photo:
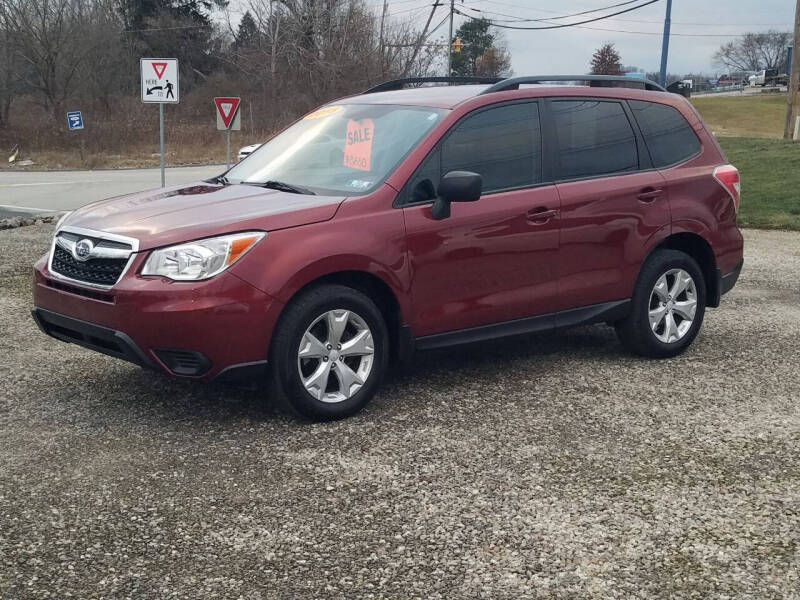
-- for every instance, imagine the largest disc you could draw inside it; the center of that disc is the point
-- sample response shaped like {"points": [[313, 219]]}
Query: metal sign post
{"points": [[75, 123], [228, 149], [160, 85], [228, 119], [161, 138]]}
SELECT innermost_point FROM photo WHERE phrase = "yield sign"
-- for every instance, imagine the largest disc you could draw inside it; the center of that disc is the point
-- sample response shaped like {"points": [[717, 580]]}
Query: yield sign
{"points": [[159, 68], [226, 109]]}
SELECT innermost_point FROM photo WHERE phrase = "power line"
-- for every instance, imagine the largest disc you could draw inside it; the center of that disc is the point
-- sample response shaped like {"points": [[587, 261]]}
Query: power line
{"points": [[672, 33], [442, 22], [394, 2], [167, 28], [407, 10], [578, 14], [562, 25], [585, 12], [517, 19]]}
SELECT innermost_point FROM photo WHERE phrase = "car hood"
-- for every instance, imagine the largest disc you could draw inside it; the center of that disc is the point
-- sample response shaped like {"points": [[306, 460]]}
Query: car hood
{"points": [[188, 212]]}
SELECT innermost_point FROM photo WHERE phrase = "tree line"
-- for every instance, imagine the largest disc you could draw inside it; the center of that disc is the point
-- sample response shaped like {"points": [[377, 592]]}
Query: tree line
{"points": [[284, 56], [747, 53]]}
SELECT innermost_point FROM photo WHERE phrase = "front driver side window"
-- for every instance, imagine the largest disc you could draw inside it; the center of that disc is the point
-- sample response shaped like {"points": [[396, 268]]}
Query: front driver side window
{"points": [[502, 144]]}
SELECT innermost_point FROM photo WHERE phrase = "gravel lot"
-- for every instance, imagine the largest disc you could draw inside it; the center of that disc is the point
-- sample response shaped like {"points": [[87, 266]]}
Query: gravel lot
{"points": [[543, 467]]}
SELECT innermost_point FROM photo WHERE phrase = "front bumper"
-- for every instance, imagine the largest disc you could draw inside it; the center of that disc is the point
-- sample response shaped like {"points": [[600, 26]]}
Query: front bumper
{"points": [[101, 339], [199, 329]]}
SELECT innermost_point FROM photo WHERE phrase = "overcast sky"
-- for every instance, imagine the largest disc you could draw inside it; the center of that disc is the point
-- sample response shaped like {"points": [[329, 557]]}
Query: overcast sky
{"points": [[569, 50]]}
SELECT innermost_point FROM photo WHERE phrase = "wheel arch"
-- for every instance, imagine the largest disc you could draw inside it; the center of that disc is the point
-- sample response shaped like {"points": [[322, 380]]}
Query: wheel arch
{"points": [[380, 292], [700, 250]]}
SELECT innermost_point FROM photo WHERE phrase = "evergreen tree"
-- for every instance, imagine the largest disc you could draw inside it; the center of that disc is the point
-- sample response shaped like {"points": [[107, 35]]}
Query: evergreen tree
{"points": [[606, 61], [247, 34], [479, 55], [174, 28]]}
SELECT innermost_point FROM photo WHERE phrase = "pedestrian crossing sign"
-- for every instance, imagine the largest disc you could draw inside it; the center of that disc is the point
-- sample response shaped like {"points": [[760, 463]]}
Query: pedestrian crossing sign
{"points": [[159, 80]]}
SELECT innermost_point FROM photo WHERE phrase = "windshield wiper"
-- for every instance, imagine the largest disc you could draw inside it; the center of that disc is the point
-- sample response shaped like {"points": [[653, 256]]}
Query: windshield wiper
{"points": [[281, 186], [219, 179]]}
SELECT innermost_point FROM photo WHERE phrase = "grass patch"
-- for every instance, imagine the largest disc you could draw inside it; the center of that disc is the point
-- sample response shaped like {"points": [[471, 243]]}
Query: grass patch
{"points": [[770, 171], [755, 115]]}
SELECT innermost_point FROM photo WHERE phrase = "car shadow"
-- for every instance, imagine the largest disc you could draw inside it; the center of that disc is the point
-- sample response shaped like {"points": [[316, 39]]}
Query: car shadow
{"points": [[156, 397], [506, 353]]}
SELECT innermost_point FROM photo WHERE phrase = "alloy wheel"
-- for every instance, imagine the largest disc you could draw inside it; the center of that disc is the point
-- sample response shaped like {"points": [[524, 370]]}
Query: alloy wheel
{"points": [[336, 355], [673, 304]]}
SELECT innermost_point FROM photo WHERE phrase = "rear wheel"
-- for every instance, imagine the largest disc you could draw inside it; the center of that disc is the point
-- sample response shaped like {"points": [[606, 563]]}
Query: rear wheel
{"points": [[329, 352], [668, 306]]}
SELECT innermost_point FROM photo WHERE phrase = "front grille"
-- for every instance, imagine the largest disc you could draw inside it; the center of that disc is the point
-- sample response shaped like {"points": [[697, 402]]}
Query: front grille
{"points": [[100, 271]]}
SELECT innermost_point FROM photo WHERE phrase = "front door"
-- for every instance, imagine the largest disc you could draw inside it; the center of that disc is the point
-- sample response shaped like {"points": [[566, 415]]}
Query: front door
{"points": [[493, 260]]}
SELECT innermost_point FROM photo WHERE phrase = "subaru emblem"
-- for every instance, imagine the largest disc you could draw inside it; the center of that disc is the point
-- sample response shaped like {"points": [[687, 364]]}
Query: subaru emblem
{"points": [[83, 249]]}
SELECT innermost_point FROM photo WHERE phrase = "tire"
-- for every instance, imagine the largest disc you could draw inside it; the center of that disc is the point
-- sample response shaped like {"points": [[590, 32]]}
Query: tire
{"points": [[663, 339], [326, 384]]}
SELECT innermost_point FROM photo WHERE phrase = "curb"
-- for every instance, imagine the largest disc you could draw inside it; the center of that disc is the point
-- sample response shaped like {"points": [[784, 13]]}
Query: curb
{"points": [[66, 170], [17, 222]]}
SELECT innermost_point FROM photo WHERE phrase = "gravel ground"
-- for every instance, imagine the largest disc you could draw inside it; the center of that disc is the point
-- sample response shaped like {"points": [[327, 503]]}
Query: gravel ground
{"points": [[543, 467]]}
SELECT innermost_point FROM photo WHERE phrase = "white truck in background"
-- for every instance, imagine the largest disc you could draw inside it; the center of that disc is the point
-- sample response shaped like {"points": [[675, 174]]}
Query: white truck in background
{"points": [[768, 77]]}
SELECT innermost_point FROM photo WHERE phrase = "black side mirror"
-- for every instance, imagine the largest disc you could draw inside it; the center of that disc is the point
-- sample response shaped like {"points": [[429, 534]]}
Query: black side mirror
{"points": [[456, 186]]}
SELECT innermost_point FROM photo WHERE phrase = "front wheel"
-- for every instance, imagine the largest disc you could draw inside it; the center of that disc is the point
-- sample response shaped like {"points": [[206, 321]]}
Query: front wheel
{"points": [[329, 352], [668, 306]]}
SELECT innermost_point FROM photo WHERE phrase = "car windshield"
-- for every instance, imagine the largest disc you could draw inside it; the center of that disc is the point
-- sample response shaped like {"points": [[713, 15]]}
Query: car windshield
{"points": [[339, 150]]}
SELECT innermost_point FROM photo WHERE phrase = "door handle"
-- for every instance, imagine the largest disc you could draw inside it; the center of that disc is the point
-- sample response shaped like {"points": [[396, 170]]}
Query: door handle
{"points": [[540, 215], [649, 194]]}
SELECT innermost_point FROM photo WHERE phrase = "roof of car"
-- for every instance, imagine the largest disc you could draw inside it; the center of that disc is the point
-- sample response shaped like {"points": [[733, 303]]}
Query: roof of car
{"points": [[439, 96], [450, 96]]}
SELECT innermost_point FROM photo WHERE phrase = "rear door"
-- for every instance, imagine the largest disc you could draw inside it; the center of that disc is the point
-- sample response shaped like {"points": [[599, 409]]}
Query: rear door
{"points": [[613, 203], [676, 151], [493, 260]]}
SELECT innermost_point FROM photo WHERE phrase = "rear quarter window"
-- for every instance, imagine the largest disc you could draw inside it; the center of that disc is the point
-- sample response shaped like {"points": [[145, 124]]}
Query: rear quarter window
{"points": [[669, 137]]}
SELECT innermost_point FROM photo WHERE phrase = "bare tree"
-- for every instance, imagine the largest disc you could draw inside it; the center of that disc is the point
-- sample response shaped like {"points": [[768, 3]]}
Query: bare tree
{"points": [[285, 58], [295, 54], [494, 62], [754, 51], [9, 82], [49, 38]]}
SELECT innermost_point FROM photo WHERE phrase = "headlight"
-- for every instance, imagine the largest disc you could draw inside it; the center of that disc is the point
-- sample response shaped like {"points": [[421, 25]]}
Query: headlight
{"points": [[201, 259]]}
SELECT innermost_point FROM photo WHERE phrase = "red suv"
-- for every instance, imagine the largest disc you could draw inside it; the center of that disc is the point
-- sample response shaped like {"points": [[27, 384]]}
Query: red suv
{"points": [[409, 219]]}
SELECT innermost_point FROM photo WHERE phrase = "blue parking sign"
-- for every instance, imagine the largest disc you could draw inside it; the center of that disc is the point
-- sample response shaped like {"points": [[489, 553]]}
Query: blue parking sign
{"points": [[74, 120]]}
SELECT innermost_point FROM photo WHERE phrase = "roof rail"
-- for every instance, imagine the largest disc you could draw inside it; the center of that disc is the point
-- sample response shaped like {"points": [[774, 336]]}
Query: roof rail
{"points": [[398, 84], [594, 81]]}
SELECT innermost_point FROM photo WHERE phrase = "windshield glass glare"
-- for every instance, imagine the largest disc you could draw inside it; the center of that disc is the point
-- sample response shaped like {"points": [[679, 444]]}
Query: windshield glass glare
{"points": [[339, 150]]}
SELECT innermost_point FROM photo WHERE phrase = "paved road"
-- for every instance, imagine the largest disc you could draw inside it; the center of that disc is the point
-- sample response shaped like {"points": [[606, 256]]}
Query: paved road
{"points": [[548, 467], [747, 91], [26, 192]]}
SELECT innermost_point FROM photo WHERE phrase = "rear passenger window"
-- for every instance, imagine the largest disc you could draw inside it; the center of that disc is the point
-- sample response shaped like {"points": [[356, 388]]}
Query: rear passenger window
{"points": [[502, 144], [668, 136], [594, 138]]}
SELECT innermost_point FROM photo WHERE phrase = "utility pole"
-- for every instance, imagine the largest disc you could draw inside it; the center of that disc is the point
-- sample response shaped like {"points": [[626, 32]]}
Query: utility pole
{"points": [[662, 77], [792, 107], [380, 43], [422, 37], [450, 41]]}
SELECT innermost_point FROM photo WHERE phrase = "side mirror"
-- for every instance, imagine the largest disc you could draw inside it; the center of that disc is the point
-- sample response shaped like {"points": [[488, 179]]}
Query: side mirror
{"points": [[456, 186]]}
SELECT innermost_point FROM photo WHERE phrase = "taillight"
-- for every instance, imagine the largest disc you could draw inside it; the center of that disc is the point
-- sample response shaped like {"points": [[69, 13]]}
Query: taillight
{"points": [[728, 177]]}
